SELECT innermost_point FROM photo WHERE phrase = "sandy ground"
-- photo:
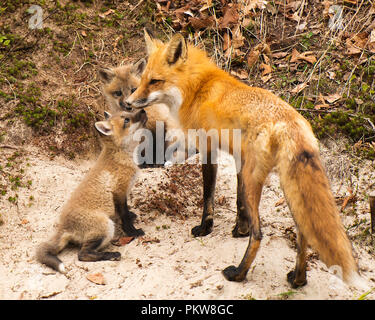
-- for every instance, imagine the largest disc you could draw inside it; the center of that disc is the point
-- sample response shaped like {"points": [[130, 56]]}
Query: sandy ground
{"points": [[174, 265]]}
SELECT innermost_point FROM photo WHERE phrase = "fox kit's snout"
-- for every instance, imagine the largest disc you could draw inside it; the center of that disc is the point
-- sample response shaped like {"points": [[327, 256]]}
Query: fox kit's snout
{"points": [[119, 130], [86, 217]]}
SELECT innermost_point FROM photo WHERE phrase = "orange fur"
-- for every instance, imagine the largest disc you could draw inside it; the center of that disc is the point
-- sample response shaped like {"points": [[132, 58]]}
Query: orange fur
{"points": [[274, 134]]}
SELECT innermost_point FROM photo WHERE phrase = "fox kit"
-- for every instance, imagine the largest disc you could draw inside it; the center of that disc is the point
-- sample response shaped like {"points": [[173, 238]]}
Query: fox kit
{"points": [[119, 83], [85, 219], [274, 135]]}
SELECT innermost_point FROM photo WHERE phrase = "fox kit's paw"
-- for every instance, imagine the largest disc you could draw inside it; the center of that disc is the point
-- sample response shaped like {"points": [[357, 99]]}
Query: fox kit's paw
{"points": [[232, 273], [112, 256], [203, 230], [132, 216], [135, 233], [291, 277]]}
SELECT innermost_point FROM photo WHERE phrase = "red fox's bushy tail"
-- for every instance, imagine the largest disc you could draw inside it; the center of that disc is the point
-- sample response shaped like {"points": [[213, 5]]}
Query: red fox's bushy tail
{"points": [[47, 252], [309, 197]]}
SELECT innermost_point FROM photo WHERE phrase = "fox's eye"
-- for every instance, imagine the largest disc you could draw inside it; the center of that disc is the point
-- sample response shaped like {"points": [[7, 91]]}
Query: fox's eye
{"points": [[126, 120], [132, 90], [154, 81], [117, 93]]}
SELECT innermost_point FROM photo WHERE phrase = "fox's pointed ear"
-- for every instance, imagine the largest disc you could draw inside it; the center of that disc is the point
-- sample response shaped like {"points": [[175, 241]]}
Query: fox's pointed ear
{"points": [[176, 49], [103, 127], [138, 67], [107, 115], [150, 45], [106, 75]]}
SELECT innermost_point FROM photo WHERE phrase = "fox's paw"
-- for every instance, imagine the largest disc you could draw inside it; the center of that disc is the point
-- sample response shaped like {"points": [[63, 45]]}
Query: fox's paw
{"points": [[112, 256], [203, 230], [291, 277], [232, 273], [238, 233]]}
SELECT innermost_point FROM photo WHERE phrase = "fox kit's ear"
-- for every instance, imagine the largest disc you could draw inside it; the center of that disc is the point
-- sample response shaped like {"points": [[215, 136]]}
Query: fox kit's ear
{"points": [[106, 75], [176, 49], [107, 115], [138, 67], [103, 127], [150, 45]]}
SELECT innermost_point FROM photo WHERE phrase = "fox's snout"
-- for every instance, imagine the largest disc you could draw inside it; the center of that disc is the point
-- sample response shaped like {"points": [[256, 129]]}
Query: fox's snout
{"points": [[137, 103], [126, 106]]}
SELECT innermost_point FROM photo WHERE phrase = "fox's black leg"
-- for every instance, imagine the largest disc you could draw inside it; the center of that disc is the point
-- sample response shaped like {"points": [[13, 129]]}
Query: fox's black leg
{"points": [[241, 229], [209, 172], [89, 252], [127, 217], [297, 277], [250, 196]]}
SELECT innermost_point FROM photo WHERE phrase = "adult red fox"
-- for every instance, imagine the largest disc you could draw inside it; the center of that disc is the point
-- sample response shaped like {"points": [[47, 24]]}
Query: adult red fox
{"points": [[118, 84], [274, 135]]}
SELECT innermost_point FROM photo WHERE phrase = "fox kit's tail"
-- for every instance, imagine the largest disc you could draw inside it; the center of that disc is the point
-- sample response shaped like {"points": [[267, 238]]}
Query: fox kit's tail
{"points": [[307, 191], [47, 252]]}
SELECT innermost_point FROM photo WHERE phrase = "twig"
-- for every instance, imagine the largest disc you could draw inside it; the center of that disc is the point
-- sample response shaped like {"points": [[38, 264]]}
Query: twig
{"points": [[315, 110], [372, 211], [6, 146], [301, 9], [370, 122], [136, 6], [71, 49]]}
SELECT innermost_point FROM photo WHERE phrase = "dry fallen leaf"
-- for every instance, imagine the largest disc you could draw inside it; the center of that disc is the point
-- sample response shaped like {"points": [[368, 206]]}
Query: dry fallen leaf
{"points": [[371, 45], [266, 78], [332, 98], [237, 38], [306, 56], [149, 240], [199, 23], [222, 200], [350, 198], [230, 17], [279, 55], [372, 36], [266, 69], [242, 74], [253, 57], [96, 278], [122, 241], [357, 43], [279, 202], [106, 13], [299, 87], [226, 42]]}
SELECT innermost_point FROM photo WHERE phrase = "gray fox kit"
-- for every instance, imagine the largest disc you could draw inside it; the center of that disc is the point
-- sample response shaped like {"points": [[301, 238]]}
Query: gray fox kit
{"points": [[85, 219]]}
